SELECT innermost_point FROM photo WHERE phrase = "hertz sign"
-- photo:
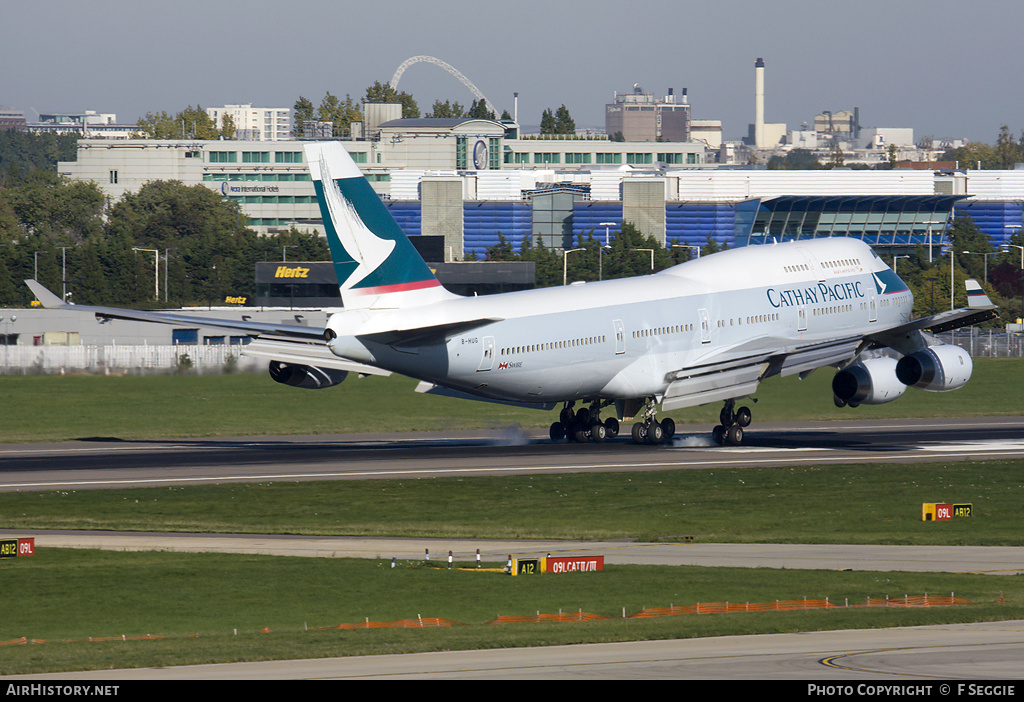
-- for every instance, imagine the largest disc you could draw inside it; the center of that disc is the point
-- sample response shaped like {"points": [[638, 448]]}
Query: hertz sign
{"points": [[11, 548], [291, 272]]}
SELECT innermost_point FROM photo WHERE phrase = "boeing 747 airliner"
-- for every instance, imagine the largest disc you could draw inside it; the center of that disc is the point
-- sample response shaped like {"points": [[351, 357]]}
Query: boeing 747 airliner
{"points": [[709, 330]]}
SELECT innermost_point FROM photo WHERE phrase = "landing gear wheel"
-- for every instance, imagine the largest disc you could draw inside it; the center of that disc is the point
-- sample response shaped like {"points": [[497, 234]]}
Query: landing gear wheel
{"points": [[743, 416], [734, 435], [668, 427], [598, 433], [580, 436], [639, 433], [718, 435], [611, 427], [726, 416], [565, 416], [655, 433], [557, 431]]}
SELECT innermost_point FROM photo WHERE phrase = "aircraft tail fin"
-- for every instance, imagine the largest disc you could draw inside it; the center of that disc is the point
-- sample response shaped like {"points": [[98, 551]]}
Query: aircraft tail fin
{"points": [[376, 264], [976, 297]]}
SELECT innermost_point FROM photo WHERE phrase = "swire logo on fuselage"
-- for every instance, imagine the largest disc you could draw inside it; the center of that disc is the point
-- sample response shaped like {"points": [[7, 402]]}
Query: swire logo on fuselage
{"points": [[820, 294]]}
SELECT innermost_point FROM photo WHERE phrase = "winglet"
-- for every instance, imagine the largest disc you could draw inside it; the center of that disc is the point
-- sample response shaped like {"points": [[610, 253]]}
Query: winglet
{"points": [[976, 297], [46, 298]]}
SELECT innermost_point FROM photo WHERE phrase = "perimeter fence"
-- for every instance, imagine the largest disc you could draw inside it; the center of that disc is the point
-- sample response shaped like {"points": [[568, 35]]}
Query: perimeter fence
{"points": [[986, 343], [212, 359], [127, 359]]}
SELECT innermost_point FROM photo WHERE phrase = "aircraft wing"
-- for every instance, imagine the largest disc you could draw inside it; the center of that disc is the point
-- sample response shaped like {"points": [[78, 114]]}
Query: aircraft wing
{"points": [[296, 331], [737, 371]]}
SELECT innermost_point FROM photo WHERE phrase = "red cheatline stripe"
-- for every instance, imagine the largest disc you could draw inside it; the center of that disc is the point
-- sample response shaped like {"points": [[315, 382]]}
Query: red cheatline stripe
{"points": [[397, 287]]}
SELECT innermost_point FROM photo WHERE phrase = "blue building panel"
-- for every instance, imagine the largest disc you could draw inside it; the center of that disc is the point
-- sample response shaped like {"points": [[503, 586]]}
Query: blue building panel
{"points": [[588, 215], [408, 215], [691, 223], [999, 220], [482, 222]]}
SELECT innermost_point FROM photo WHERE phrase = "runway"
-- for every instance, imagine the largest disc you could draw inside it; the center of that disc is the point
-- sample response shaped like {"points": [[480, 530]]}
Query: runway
{"points": [[919, 654], [105, 463], [912, 658]]}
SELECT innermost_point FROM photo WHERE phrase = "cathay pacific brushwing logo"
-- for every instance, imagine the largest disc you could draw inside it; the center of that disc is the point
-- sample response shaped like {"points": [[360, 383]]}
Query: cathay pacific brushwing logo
{"points": [[366, 248], [879, 285]]}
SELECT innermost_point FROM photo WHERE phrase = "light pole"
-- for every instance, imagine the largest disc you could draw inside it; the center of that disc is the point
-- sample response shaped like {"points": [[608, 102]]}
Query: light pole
{"points": [[156, 275], [1007, 247], [930, 223], [652, 256], [35, 264], [64, 272], [688, 246], [952, 285], [895, 259], [7, 337], [565, 263], [284, 251], [606, 225], [600, 261]]}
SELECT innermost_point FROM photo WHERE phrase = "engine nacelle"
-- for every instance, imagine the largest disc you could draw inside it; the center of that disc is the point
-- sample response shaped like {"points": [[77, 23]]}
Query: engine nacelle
{"points": [[873, 381], [936, 368], [309, 377]]}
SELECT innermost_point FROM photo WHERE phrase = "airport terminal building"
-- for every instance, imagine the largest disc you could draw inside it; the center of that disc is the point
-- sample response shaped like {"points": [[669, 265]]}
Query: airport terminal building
{"points": [[467, 180]]}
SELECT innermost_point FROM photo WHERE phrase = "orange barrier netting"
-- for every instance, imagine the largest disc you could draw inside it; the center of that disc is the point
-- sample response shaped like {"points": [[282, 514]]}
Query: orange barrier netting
{"points": [[581, 616], [782, 605], [560, 617], [397, 624]]}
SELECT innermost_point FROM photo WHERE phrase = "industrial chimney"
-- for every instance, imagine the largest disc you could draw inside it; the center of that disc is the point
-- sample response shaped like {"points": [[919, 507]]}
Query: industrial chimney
{"points": [[759, 103]]}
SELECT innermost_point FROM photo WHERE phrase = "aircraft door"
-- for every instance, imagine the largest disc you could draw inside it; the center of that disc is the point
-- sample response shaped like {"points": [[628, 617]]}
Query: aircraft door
{"points": [[620, 336], [872, 305], [705, 326], [801, 318], [487, 357]]}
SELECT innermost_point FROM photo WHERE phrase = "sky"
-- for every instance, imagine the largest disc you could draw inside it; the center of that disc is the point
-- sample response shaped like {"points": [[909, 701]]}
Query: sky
{"points": [[946, 69]]}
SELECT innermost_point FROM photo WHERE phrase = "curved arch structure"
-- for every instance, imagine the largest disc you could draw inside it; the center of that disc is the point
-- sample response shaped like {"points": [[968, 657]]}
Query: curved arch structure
{"points": [[450, 69]]}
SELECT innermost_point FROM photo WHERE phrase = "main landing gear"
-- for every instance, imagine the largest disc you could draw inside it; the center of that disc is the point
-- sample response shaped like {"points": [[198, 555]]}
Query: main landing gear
{"points": [[733, 421], [584, 424], [649, 429]]}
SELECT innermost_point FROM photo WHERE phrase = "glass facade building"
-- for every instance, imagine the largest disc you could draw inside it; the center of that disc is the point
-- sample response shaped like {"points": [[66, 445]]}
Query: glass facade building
{"points": [[889, 221]]}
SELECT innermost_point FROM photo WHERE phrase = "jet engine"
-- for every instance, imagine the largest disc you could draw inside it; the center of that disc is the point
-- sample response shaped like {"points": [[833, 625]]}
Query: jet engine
{"points": [[309, 377], [936, 368], [872, 381]]}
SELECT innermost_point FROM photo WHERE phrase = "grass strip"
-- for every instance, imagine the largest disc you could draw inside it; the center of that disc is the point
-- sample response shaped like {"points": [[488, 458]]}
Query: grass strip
{"points": [[213, 607], [854, 504], [54, 408]]}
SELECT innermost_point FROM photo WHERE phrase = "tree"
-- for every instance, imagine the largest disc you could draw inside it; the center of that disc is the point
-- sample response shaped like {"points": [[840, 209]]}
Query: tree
{"points": [[446, 109], [795, 160], [303, 112], [340, 113], [383, 92], [190, 123], [547, 122], [479, 110], [564, 123]]}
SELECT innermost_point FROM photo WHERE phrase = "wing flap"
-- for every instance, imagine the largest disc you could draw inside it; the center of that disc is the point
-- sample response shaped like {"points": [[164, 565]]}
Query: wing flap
{"points": [[304, 353]]}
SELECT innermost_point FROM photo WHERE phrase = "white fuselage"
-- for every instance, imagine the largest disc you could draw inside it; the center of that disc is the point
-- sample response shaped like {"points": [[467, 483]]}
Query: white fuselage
{"points": [[628, 338]]}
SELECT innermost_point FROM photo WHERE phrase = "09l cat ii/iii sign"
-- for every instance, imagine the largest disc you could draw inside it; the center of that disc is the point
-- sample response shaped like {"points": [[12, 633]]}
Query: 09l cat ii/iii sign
{"points": [[10, 548]]}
